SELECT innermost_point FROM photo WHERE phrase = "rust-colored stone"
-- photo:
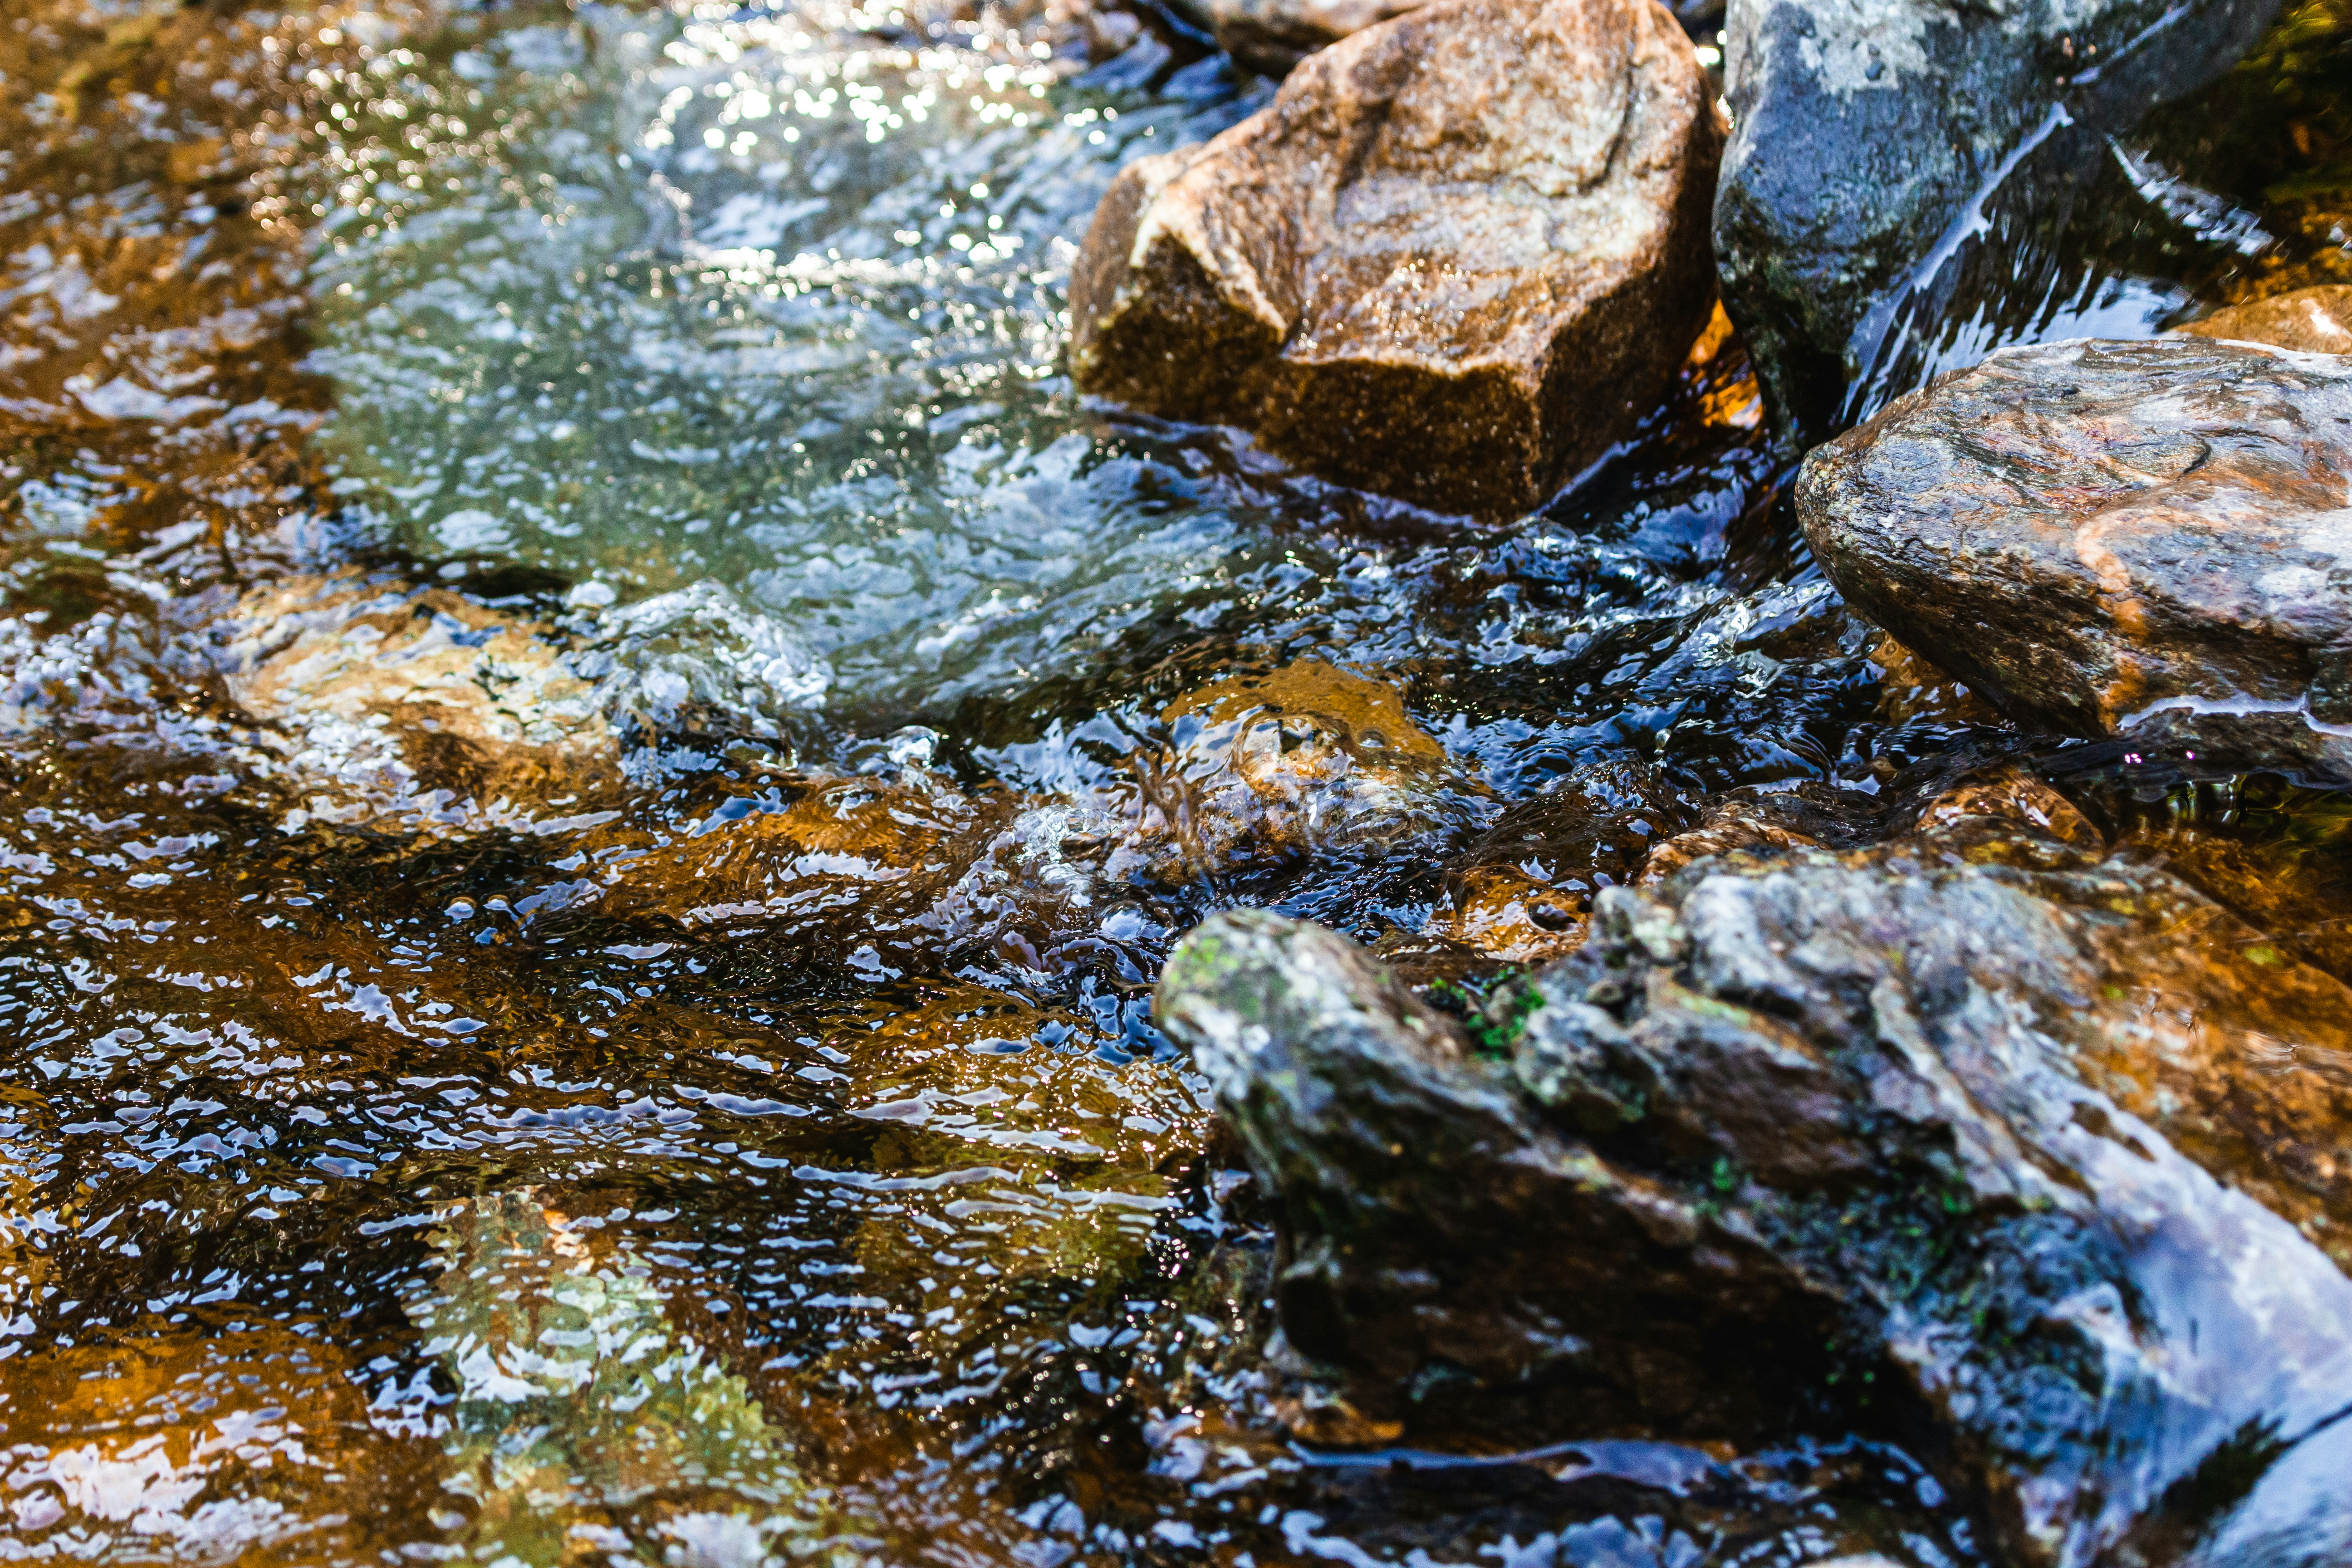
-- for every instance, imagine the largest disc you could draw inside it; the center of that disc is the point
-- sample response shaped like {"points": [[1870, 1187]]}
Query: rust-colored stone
{"points": [[2103, 536], [1456, 257], [2011, 793], [2314, 321], [1270, 768]]}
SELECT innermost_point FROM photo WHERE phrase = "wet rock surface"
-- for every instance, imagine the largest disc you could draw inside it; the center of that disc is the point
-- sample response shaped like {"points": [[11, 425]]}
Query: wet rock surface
{"points": [[750, 1141], [1871, 139], [1523, 891], [1258, 775], [2037, 1147], [2114, 538], [1449, 262], [1265, 770], [2317, 320]]}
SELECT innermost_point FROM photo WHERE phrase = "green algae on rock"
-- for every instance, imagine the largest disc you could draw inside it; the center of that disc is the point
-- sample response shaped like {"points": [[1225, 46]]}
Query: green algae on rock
{"points": [[1451, 262]]}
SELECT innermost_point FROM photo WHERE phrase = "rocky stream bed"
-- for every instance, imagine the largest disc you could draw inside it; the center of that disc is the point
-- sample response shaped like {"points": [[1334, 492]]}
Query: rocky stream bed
{"points": [[1537, 783]]}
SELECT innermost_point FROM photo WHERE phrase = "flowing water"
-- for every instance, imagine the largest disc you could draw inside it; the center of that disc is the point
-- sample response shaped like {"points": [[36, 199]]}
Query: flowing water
{"points": [[600, 755]]}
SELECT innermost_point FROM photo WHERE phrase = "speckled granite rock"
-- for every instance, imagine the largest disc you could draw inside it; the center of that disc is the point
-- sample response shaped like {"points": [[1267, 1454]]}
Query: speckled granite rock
{"points": [[2112, 538], [1866, 132], [1452, 261]]}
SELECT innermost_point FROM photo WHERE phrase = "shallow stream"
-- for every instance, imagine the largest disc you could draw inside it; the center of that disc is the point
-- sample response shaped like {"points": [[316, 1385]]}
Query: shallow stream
{"points": [[713, 1115]]}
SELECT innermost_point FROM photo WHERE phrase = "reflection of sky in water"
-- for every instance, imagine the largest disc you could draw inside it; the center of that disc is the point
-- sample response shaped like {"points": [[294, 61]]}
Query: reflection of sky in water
{"points": [[730, 300]]}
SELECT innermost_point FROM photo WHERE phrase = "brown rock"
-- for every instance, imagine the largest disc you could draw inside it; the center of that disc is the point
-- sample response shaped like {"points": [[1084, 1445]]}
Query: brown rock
{"points": [[2111, 537], [1271, 36], [1453, 260], [2011, 793], [1737, 825], [2314, 321], [1523, 891], [1910, 688], [378, 691]]}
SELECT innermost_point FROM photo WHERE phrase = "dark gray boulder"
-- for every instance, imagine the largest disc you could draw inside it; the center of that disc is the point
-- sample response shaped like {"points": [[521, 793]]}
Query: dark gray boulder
{"points": [[2032, 1157], [1870, 138], [2146, 538]]}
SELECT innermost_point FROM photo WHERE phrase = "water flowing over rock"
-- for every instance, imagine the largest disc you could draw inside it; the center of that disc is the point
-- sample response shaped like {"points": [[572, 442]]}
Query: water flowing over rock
{"points": [[2111, 538], [1267, 769], [2317, 320], [1870, 137], [1262, 772], [1271, 36], [1452, 261], [1523, 891], [383, 693], [2038, 1148]]}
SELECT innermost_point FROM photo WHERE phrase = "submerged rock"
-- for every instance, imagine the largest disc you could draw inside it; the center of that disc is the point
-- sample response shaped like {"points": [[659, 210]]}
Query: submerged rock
{"points": [[1264, 770], [578, 1405], [1870, 135], [1261, 771], [2035, 1155], [2111, 538], [382, 693], [1270, 37], [1453, 260], [2316, 321], [1523, 891]]}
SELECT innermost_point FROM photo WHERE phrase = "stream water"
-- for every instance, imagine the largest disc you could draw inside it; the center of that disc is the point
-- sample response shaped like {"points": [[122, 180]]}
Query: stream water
{"points": [[743, 1138]]}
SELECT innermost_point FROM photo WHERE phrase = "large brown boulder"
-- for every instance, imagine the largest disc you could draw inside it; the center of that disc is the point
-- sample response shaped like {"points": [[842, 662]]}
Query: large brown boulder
{"points": [[1456, 257], [2145, 538]]}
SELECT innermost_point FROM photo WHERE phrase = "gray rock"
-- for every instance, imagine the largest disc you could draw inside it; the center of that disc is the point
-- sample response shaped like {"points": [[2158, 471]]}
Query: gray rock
{"points": [[1439, 1236], [1978, 1137], [2104, 537], [1870, 136]]}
